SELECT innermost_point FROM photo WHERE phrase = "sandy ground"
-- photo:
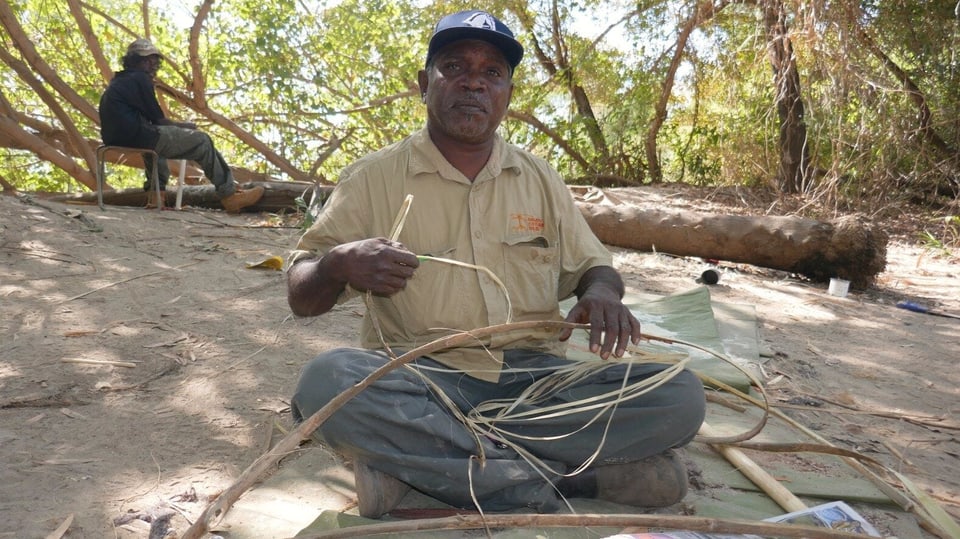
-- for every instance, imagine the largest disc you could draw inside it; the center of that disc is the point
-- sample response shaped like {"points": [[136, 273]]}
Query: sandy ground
{"points": [[144, 365]]}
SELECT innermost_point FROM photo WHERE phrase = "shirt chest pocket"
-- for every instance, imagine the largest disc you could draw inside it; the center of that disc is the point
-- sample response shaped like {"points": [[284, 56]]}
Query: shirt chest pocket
{"points": [[531, 272], [535, 248]]}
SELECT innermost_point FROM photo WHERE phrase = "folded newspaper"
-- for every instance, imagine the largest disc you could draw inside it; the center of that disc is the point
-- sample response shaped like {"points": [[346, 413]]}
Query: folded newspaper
{"points": [[834, 515]]}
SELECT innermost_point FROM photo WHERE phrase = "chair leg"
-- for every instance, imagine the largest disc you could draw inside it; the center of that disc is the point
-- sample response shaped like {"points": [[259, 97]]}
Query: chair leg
{"points": [[101, 171], [180, 180], [156, 183]]}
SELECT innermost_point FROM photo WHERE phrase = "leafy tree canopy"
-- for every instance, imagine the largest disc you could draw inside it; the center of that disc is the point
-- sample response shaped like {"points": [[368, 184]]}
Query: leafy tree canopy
{"points": [[624, 93]]}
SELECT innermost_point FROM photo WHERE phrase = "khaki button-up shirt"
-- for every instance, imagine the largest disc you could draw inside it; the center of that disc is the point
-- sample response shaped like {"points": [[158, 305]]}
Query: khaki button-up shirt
{"points": [[517, 219]]}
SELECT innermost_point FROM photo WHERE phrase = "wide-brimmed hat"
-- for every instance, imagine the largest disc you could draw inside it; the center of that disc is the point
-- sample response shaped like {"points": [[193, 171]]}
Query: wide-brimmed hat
{"points": [[475, 24], [143, 47]]}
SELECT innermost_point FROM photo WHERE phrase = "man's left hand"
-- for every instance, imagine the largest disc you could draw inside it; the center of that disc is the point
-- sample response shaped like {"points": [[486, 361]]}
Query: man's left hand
{"points": [[612, 325]]}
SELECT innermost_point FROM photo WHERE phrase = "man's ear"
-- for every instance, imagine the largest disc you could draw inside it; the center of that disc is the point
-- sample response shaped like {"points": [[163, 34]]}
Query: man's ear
{"points": [[423, 81]]}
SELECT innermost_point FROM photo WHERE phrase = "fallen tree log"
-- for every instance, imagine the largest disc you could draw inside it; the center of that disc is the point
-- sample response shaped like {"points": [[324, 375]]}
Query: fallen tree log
{"points": [[849, 247], [277, 196]]}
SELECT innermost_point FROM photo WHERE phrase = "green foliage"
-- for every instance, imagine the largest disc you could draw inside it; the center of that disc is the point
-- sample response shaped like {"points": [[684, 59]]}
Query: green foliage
{"points": [[693, 161], [319, 84], [25, 171], [946, 238], [307, 210], [931, 241], [724, 128]]}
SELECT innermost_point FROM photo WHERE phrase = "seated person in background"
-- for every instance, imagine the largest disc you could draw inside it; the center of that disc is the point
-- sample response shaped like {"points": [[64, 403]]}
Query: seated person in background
{"points": [[480, 200], [130, 115]]}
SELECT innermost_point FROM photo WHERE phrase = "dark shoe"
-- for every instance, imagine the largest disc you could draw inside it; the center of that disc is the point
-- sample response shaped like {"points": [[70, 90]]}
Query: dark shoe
{"points": [[656, 481], [241, 199], [377, 492]]}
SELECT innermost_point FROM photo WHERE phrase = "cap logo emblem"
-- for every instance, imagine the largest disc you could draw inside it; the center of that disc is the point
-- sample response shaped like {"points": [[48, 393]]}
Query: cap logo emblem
{"points": [[481, 20]]}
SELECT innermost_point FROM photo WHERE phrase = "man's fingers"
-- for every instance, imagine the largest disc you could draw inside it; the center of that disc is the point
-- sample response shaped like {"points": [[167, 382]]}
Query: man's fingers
{"points": [[577, 315], [380, 266], [406, 259], [629, 332], [565, 334], [623, 337], [597, 330], [620, 328], [612, 330]]}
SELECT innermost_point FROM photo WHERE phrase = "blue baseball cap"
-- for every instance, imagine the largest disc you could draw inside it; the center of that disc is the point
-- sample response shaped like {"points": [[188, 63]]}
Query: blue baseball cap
{"points": [[476, 24]]}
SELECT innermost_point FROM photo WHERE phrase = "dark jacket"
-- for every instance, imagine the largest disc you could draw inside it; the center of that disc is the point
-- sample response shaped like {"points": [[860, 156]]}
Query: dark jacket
{"points": [[129, 111]]}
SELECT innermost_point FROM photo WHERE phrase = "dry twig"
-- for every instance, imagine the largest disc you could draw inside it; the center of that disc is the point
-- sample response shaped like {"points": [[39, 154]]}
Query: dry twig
{"points": [[134, 278], [126, 364], [673, 522]]}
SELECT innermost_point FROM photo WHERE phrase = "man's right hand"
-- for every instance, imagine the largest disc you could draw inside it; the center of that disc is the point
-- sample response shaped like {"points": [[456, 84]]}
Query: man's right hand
{"points": [[377, 265]]}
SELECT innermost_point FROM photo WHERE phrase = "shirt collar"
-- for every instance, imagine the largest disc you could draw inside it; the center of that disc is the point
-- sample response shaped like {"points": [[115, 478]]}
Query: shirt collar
{"points": [[427, 159]]}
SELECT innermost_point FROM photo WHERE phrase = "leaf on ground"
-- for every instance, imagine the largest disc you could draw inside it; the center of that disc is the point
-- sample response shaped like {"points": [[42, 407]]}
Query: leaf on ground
{"points": [[271, 263]]}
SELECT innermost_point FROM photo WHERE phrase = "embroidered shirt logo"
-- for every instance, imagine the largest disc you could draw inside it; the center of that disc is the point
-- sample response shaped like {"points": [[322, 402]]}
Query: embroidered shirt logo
{"points": [[481, 20], [520, 222]]}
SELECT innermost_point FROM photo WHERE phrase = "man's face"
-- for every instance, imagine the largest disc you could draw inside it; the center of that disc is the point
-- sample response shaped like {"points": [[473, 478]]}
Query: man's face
{"points": [[467, 90], [152, 64]]}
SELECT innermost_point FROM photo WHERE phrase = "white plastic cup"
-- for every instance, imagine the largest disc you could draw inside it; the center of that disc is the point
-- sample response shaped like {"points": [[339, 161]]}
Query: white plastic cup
{"points": [[838, 287]]}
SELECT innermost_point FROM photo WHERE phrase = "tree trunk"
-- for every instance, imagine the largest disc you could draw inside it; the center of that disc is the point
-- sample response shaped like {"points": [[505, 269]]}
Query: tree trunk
{"points": [[849, 247], [794, 154], [277, 196]]}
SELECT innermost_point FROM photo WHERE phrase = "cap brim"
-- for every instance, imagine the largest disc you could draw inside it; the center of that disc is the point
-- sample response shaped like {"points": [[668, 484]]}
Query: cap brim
{"points": [[511, 48]]}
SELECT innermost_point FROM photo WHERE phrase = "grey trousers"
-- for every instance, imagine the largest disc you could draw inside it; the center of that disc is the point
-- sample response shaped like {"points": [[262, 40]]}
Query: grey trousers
{"points": [[399, 426], [192, 145]]}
